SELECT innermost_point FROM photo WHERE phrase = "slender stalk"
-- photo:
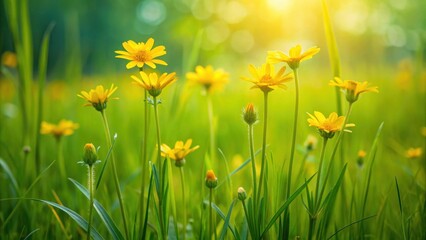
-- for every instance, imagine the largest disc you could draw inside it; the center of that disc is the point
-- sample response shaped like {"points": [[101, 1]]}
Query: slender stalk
{"points": [[253, 166], [144, 161], [265, 125], [211, 229], [160, 197], [293, 141], [157, 125], [60, 157], [339, 137], [324, 143], [312, 222], [114, 170], [91, 193], [211, 128], [182, 179]]}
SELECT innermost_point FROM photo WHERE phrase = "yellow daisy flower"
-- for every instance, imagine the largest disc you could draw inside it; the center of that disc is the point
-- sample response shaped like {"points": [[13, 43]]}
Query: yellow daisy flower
{"points": [[328, 126], [295, 56], [265, 78], [352, 88], [208, 77], [413, 152], [141, 53], [98, 97], [63, 128], [179, 152], [153, 83]]}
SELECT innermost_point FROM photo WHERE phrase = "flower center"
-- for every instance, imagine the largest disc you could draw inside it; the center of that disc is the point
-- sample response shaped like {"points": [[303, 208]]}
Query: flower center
{"points": [[266, 79], [142, 56]]}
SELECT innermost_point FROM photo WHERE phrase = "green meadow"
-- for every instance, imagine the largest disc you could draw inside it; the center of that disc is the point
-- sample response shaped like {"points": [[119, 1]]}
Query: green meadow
{"points": [[229, 119]]}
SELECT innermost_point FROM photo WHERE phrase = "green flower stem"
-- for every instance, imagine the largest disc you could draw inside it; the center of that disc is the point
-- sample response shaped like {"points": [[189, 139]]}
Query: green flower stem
{"points": [[265, 125], [293, 141], [157, 124], [114, 170], [253, 166], [339, 137], [182, 179], [144, 161], [160, 199], [211, 128], [90, 184], [60, 157], [324, 143], [211, 225], [312, 222]]}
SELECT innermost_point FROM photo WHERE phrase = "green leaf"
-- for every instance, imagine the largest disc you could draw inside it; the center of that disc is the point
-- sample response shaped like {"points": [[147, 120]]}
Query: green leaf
{"points": [[75, 216], [226, 224], [222, 215], [31, 233], [285, 206], [106, 161], [9, 174], [42, 69], [106, 219]]}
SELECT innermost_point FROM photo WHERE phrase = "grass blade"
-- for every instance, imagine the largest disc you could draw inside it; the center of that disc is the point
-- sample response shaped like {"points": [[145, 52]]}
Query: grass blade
{"points": [[227, 219], [400, 208], [285, 206], [222, 215], [332, 52], [353, 223], [9, 174], [106, 219], [75, 216], [42, 69], [31, 233], [25, 193], [106, 161]]}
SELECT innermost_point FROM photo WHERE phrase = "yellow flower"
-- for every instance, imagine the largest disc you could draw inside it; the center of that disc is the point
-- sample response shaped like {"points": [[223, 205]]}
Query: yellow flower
{"points": [[362, 153], [9, 59], [208, 77], [352, 88], [295, 56], [327, 126], [154, 84], [265, 78], [179, 152], [413, 152], [64, 128], [211, 179], [142, 53], [98, 97]]}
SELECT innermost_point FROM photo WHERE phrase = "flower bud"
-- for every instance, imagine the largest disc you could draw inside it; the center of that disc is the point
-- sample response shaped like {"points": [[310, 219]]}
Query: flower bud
{"points": [[249, 114], [90, 155], [310, 143], [361, 157], [242, 194], [211, 179]]}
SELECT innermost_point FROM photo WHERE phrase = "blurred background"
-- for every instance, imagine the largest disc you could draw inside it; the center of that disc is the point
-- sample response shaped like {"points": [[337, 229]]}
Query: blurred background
{"points": [[370, 33]]}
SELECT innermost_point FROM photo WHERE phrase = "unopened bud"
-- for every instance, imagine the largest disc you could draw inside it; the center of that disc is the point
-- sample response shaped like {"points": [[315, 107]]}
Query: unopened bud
{"points": [[250, 114], [211, 179], [242, 194], [90, 155]]}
